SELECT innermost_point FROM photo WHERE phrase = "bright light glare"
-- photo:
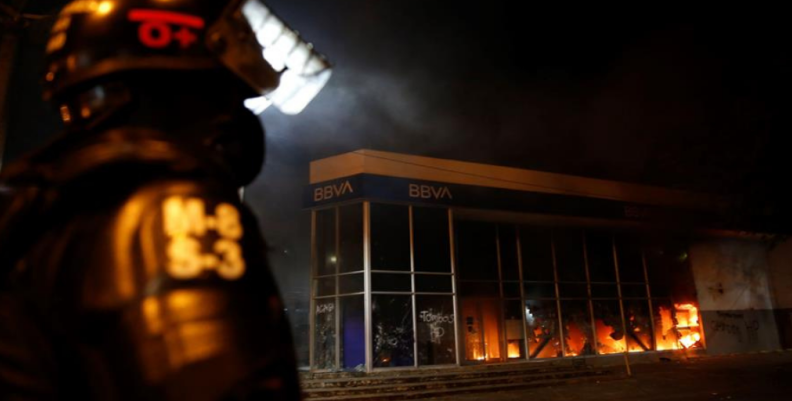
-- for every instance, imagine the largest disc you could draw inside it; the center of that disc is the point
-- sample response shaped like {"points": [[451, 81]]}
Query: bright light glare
{"points": [[304, 72]]}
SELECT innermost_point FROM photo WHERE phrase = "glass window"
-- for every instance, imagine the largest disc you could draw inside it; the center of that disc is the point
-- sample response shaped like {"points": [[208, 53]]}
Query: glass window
{"points": [[391, 282], [352, 341], [540, 290], [507, 240], [325, 286], [350, 283], [669, 271], [577, 328], [569, 255], [390, 237], [483, 330], [432, 283], [604, 291], [628, 252], [476, 250], [599, 251], [639, 327], [431, 240], [609, 328], [541, 324], [487, 289], [436, 344], [515, 331], [633, 290], [660, 266], [511, 290], [324, 334], [350, 230], [325, 242], [537, 254], [392, 330], [573, 290]]}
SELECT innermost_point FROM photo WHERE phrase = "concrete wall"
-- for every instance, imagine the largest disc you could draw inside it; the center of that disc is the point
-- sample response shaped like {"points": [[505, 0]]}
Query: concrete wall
{"points": [[780, 268], [736, 304]]}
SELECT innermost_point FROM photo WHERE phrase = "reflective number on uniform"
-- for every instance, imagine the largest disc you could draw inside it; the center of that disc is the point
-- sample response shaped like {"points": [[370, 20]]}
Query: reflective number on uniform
{"points": [[186, 223]]}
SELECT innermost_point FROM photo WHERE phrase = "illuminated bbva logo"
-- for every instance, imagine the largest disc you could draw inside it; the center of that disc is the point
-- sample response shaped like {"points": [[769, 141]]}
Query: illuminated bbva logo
{"points": [[332, 191], [429, 192]]}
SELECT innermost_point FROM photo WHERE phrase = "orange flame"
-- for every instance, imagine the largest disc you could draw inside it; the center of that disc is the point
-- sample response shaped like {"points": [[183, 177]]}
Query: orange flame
{"points": [[514, 349]]}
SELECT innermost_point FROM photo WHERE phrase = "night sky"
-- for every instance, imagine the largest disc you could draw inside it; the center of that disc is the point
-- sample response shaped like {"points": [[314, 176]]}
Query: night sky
{"points": [[691, 99]]}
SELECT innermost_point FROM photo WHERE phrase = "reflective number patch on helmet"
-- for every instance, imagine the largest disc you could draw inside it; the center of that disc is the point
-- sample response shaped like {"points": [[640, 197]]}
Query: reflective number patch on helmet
{"points": [[158, 29], [188, 228]]}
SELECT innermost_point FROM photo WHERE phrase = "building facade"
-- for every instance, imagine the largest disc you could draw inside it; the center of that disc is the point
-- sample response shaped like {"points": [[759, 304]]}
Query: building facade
{"points": [[429, 262]]}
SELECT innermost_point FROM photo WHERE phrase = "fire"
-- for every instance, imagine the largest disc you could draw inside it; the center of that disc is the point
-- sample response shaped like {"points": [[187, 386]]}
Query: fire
{"points": [[606, 343], [576, 341], [514, 349], [680, 327]]}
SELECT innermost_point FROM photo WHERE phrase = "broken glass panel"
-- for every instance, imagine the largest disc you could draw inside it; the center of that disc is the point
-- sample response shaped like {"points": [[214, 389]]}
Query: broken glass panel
{"points": [[436, 344], [324, 334], [665, 322], [483, 327], [392, 330], [608, 325], [353, 337], [515, 331], [639, 327], [541, 325], [577, 328]]}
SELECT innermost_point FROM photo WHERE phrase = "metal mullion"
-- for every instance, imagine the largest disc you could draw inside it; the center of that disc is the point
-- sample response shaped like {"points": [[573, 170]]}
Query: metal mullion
{"points": [[337, 283], [649, 299], [522, 289], [312, 306], [588, 291], [367, 283], [621, 307], [504, 348], [558, 294], [455, 298], [412, 282], [391, 271], [351, 273]]}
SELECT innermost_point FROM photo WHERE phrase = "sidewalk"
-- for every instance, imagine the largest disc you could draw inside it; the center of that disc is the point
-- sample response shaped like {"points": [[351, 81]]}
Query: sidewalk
{"points": [[765, 377]]}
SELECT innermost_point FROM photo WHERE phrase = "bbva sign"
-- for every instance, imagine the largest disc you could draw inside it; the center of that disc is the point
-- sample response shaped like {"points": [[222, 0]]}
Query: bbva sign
{"points": [[429, 192], [332, 191]]}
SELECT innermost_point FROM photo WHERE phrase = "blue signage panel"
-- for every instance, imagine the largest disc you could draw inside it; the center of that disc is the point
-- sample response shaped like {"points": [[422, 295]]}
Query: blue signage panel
{"points": [[394, 189]]}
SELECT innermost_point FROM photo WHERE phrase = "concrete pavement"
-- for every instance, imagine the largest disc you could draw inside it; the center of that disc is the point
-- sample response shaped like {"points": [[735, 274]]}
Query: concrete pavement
{"points": [[765, 377]]}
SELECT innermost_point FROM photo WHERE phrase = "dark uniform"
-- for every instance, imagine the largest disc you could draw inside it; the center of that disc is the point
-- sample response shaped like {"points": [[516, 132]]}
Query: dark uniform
{"points": [[129, 268]]}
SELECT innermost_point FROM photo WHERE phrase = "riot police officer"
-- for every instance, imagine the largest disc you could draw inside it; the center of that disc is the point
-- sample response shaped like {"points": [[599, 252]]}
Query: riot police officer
{"points": [[129, 268]]}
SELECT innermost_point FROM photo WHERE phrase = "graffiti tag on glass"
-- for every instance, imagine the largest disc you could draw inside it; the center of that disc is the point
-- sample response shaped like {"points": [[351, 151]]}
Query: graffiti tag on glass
{"points": [[325, 308]]}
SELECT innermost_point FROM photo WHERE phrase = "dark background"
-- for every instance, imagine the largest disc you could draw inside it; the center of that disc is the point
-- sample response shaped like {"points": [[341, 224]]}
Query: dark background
{"points": [[673, 96]]}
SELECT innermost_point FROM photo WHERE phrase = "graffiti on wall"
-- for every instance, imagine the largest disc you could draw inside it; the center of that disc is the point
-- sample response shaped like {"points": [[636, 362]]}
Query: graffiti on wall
{"points": [[736, 325]]}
